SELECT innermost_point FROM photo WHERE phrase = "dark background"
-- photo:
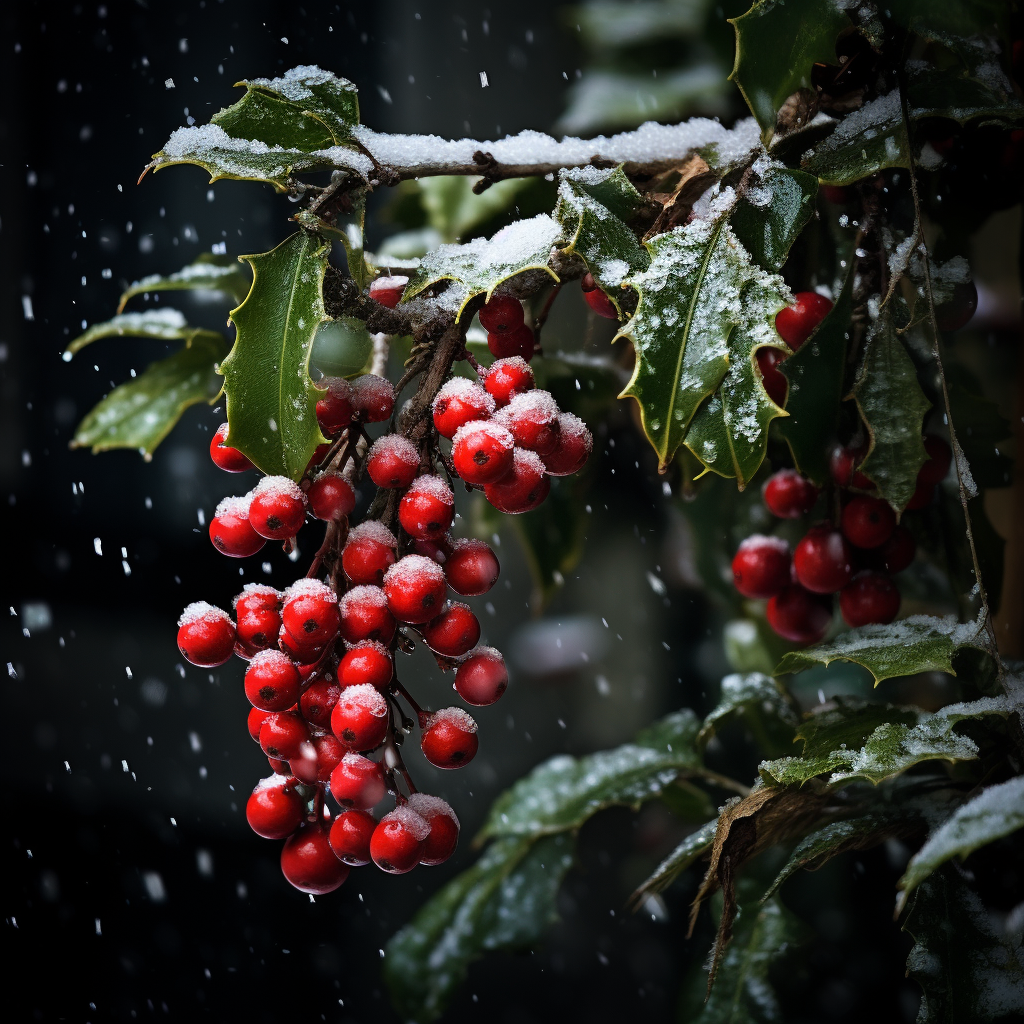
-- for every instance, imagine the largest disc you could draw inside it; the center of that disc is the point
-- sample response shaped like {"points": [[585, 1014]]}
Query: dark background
{"points": [[133, 887]]}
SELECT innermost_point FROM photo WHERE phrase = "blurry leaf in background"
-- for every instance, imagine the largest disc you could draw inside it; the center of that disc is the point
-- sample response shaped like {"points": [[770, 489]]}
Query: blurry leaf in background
{"points": [[163, 324], [983, 432], [209, 273], [453, 209], [765, 708]]}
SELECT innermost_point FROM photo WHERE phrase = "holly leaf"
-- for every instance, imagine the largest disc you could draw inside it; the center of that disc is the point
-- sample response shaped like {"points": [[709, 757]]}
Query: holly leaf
{"points": [[687, 853], [969, 968], [760, 701], [208, 273], [997, 811], [777, 44], [141, 412], [893, 408], [772, 213], [271, 401], [479, 266], [504, 901], [159, 324], [453, 208], [345, 226]]}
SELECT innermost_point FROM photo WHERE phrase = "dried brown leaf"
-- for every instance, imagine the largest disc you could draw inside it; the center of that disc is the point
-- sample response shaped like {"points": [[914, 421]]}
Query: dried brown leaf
{"points": [[695, 177]]}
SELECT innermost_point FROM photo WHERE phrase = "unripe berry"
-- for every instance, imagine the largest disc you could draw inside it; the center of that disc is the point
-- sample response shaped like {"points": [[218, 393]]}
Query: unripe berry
{"points": [[278, 508], [453, 632], [798, 615], [365, 616], [596, 299], [373, 398], [334, 412], [517, 342], [310, 613], [575, 444], [255, 721], [350, 837], [507, 378], [472, 568], [460, 401], [868, 522], [360, 718], [206, 635], [331, 496], [482, 451], [393, 461], [789, 495], [415, 588], [388, 290], [309, 863], [230, 530], [318, 700], [823, 561], [532, 419], [870, 597], [282, 735], [257, 609], [482, 677], [367, 662], [369, 552], [449, 739], [358, 782], [525, 486], [397, 841], [271, 681], [797, 323], [427, 508], [761, 566], [774, 381], [275, 809], [501, 314], [444, 828], [229, 459], [939, 460]]}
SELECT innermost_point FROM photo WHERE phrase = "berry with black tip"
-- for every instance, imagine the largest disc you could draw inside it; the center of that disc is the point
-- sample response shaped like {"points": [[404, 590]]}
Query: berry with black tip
{"points": [[272, 681], [575, 443], [369, 552], [454, 632], [868, 522], [310, 613], [501, 314], [482, 451], [258, 614], [365, 616], [427, 508], [444, 828], [415, 589], [360, 718], [458, 402], [507, 378], [532, 419], [206, 635], [523, 488], [275, 809], [393, 461], [449, 739], [373, 398], [318, 700], [230, 530], [366, 662], [397, 841], [278, 508], [282, 735]]}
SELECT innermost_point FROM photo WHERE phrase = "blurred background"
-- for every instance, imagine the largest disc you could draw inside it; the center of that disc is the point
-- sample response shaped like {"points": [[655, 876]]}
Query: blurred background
{"points": [[135, 889]]}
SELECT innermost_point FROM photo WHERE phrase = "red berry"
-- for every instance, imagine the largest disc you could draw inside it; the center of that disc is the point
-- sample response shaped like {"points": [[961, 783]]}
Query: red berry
{"points": [[869, 597], [279, 767], [453, 632], [897, 552], [436, 550], [501, 314], [596, 299], [444, 828], [517, 342], [761, 567], [575, 444], [957, 311], [373, 398], [789, 495], [482, 451], [472, 568], [299, 649], [533, 420], [367, 662], [282, 735], [257, 609], [365, 616], [796, 323], [350, 837], [230, 459], [459, 401], [798, 615], [415, 587], [310, 613], [275, 809], [278, 508], [482, 677], [230, 530], [335, 410], [255, 722], [331, 496], [524, 488], [922, 496], [369, 552], [358, 782], [836, 194], [393, 461], [939, 460], [309, 863], [388, 290], [823, 561], [843, 465], [271, 681], [360, 718], [397, 841], [316, 760], [774, 381], [318, 700], [868, 522], [507, 378], [206, 635], [449, 739], [427, 508]]}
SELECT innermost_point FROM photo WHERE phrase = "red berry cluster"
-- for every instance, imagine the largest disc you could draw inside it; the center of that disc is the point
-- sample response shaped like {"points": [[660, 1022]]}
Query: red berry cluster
{"points": [[795, 324], [321, 674]]}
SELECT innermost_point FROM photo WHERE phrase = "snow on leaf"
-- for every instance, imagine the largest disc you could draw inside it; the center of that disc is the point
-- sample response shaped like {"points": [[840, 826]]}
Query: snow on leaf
{"points": [[164, 324], [208, 273], [773, 211], [758, 699]]}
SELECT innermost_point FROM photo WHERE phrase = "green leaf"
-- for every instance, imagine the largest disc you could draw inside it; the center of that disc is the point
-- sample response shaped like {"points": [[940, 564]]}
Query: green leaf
{"points": [[341, 347], [208, 273], [479, 266], [762, 703], [995, 812], [893, 408], [504, 901], [564, 791], [271, 401], [688, 852], [159, 324], [453, 209], [693, 319], [777, 43], [970, 968], [815, 375], [345, 226], [772, 213], [141, 412], [921, 643]]}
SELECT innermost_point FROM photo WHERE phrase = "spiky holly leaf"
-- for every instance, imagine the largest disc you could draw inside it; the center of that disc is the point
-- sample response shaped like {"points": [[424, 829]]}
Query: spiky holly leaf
{"points": [[271, 401], [141, 412], [159, 324], [479, 266], [687, 853], [760, 701], [777, 44], [208, 273], [772, 212]]}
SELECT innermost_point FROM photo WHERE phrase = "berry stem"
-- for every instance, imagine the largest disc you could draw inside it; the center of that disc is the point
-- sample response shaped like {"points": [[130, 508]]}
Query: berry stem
{"points": [[399, 690]]}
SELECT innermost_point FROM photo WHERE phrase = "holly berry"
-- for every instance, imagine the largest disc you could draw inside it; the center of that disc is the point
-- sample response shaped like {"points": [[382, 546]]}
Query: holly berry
{"points": [[230, 530], [458, 402], [774, 381], [331, 496], [501, 315], [310, 613], [789, 495], [358, 782], [453, 632], [796, 323], [596, 299], [335, 410], [365, 616], [319, 454], [229, 459], [309, 863], [897, 552], [255, 722], [532, 419], [373, 398], [523, 488], [843, 465], [275, 809], [868, 522], [798, 615], [271, 681], [350, 837], [206, 635], [279, 767], [922, 496], [507, 378], [393, 461], [575, 444], [940, 457], [388, 290], [278, 508], [257, 610], [317, 759], [472, 568], [427, 508], [282, 735], [482, 451], [360, 718], [822, 561], [444, 828], [517, 342], [869, 597], [482, 677], [318, 700], [415, 588], [299, 649], [761, 566], [367, 662], [369, 552], [397, 841], [449, 738]]}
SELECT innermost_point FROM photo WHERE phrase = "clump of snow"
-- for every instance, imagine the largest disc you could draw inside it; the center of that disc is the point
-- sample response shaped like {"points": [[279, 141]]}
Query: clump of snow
{"points": [[428, 806], [870, 121], [375, 530], [394, 446], [279, 488], [295, 84], [372, 390], [517, 364], [536, 406], [365, 596], [274, 781], [412, 569], [270, 658], [494, 429], [412, 822], [573, 428], [364, 697], [202, 610], [256, 590], [963, 469], [455, 717], [370, 645], [524, 461], [235, 505], [434, 487], [763, 540], [464, 390], [307, 587]]}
